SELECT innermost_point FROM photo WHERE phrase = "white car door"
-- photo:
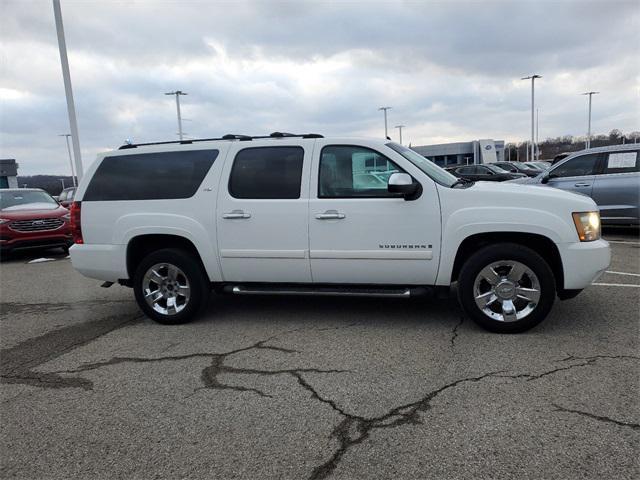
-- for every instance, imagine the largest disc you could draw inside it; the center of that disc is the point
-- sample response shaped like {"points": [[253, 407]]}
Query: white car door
{"points": [[359, 233], [262, 213]]}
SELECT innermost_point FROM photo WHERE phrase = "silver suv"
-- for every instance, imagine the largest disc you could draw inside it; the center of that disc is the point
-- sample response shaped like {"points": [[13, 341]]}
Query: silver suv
{"points": [[610, 175]]}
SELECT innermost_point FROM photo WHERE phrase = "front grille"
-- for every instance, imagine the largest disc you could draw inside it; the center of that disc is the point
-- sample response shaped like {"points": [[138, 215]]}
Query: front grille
{"points": [[36, 225]]}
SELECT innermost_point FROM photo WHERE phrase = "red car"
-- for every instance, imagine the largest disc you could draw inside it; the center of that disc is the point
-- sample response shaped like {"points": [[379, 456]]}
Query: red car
{"points": [[31, 218]]}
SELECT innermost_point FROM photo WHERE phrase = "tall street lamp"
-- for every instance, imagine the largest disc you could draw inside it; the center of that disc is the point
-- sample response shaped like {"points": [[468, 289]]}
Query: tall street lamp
{"points": [[66, 76], [533, 139], [73, 173], [177, 93], [400, 127], [384, 109], [588, 142]]}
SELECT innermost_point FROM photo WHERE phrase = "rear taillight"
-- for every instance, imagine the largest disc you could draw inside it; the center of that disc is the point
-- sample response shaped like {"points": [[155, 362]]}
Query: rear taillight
{"points": [[76, 227]]}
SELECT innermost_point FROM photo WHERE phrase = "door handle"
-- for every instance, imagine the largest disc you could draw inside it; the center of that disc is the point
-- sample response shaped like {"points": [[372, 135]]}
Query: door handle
{"points": [[330, 215], [235, 214], [582, 184]]}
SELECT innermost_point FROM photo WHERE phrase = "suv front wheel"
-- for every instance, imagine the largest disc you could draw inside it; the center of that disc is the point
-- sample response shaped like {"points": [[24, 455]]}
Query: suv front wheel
{"points": [[506, 288], [170, 286]]}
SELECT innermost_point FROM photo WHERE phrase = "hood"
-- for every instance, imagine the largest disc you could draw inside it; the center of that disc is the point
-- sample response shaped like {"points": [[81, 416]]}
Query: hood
{"points": [[514, 193], [33, 210]]}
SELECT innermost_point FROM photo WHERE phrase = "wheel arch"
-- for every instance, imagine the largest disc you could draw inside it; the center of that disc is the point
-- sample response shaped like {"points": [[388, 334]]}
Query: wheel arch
{"points": [[541, 244], [140, 246]]}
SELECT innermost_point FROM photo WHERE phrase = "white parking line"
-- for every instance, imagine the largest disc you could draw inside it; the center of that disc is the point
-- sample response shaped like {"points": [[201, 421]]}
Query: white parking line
{"points": [[624, 273], [623, 241], [615, 285]]}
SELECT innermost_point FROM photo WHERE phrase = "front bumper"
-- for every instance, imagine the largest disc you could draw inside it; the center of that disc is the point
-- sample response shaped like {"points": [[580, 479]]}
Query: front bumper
{"points": [[584, 262], [11, 241]]}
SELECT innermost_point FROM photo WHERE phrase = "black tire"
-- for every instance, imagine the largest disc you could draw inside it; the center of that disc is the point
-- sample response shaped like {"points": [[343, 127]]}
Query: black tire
{"points": [[191, 269], [507, 252]]}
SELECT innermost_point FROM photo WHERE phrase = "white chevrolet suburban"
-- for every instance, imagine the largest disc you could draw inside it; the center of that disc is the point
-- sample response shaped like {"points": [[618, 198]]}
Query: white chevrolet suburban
{"points": [[303, 215]]}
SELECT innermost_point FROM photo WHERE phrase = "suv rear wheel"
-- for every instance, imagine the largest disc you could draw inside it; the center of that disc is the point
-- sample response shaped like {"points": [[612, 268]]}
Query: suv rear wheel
{"points": [[170, 286], [506, 288]]}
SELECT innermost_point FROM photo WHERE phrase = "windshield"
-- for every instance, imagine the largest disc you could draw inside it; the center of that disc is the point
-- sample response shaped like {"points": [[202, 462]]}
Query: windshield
{"points": [[532, 165], [13, 198], [496, 169], [436, 173]]}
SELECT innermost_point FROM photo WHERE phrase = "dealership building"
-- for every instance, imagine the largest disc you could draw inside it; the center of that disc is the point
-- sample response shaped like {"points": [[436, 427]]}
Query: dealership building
{"points": [[463, 153], [8, 173]]}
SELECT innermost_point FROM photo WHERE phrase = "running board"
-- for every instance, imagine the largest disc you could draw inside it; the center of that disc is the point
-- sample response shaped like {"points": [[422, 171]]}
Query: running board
{"points": [[328, 291]]}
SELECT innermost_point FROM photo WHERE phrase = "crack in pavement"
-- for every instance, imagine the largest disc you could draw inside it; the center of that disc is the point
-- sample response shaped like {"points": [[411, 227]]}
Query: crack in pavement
{"points": [[454, 333], [353, 429], [587, 361], [17, 363], [210, 374], [634, 426]]}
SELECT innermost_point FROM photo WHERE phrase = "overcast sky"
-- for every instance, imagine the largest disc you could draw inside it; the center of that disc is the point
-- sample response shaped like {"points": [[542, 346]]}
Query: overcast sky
{"points": [[450, 70]]}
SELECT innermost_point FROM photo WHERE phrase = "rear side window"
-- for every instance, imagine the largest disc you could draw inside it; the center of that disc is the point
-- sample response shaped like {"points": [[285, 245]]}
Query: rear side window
{"points": [[622, 162], [267, 173], [577, 167], [150, 176]]}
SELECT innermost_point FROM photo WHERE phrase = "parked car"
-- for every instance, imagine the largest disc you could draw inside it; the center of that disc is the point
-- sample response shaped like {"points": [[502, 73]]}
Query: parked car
{"points": [[30, 218], [518, 167], [559, 157], [286, 214], [487, 173], [609, 175], [540, 166], [544, 164], [66, 197]]}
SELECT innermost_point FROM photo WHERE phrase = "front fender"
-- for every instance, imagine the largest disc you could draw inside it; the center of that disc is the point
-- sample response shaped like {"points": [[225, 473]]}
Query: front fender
{"points": [[466, 222]]}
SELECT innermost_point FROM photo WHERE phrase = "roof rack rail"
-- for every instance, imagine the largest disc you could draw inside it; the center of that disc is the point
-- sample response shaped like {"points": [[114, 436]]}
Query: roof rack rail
{"points": [[229, 136]]}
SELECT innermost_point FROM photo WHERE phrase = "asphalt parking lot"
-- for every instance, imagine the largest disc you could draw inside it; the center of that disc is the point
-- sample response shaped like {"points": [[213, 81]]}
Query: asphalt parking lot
{"points": [[313, 388]]}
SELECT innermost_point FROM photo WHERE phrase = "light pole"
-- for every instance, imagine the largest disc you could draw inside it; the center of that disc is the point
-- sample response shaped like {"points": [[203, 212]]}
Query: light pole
{"points": [[66, 76], [400, 127], [73, 175], [384, 109], [588, 142], [533, 81], [62, 181], [177, 93], [537, 133]]}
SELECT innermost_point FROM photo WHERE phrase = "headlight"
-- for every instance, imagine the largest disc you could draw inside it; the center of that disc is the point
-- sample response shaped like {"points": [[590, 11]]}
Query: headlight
{"points": [[587, 225], [4, 220], [67, 217]]}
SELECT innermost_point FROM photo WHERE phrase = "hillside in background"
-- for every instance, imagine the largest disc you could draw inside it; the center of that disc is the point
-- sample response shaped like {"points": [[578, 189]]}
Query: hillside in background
{"points": [[551, 147], [50, 183]]}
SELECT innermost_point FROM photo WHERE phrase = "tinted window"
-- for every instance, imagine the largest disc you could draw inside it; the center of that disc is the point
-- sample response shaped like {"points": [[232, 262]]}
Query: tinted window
{"points": [[350, 171], [577, 167], [466, 170], [481, 170], [622, 162], [150, 176], [507, 167], [267, 172]]}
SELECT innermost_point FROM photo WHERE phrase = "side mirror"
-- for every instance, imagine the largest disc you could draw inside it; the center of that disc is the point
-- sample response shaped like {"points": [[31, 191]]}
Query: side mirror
{"points": [[546, 177], [403, 184]]}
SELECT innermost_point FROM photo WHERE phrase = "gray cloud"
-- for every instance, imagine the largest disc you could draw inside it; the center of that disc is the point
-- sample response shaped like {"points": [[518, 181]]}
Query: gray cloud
{"points": [[450, 70]]}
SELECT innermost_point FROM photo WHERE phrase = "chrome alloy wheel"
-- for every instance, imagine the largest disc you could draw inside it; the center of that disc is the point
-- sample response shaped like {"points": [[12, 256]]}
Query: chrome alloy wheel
{"points": [[166, 288], [506, 291]]}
